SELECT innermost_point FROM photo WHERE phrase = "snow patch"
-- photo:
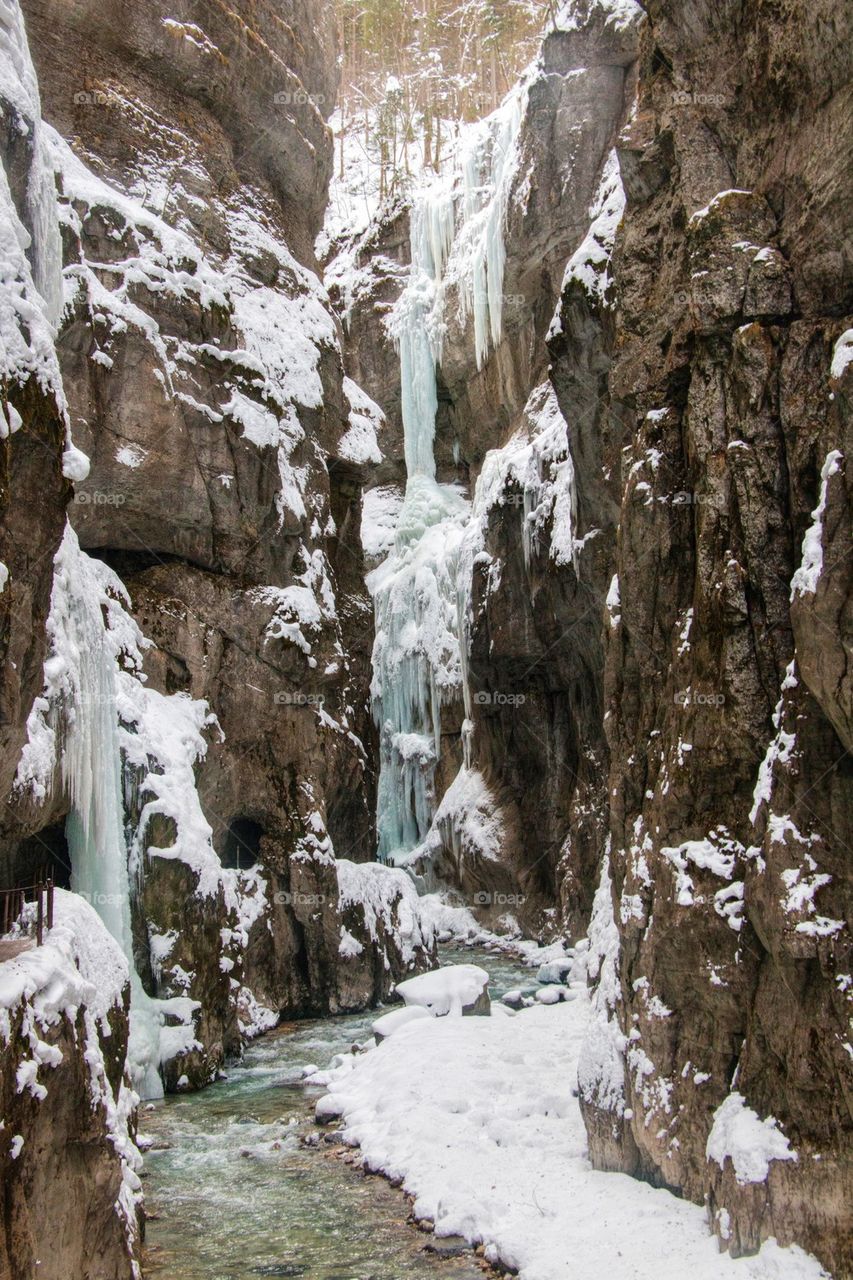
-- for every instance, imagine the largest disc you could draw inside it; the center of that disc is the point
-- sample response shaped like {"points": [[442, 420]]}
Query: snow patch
{"points": [[751, 1144]]}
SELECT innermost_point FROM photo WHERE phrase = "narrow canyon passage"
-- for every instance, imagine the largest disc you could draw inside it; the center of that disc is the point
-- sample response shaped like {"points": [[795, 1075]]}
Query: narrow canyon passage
{"points": [[425, 639]]}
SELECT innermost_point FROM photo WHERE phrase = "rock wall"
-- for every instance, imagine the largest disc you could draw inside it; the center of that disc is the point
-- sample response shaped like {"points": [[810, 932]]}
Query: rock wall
{"points": [[725, 688], [658, 624], [534, 645], [33, 437], [202, 370], [67, 1110]]}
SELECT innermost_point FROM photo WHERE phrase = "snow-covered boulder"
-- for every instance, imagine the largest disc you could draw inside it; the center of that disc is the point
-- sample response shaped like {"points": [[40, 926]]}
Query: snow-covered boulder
{"points": [[390, 1022], [459, 989], [552, 994], [556, 971]]}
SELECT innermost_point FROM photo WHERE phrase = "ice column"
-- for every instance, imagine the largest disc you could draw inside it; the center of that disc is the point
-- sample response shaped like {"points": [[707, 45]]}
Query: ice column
{"points": [[456, 235], [84, 662]]}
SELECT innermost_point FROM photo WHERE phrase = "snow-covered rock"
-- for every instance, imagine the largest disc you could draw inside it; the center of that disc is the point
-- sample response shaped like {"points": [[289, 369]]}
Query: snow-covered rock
{"points": [[457, 989], [390, 1022], [63, 1047]]}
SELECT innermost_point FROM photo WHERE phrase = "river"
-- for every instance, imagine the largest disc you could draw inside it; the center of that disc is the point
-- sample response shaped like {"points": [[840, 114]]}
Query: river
{"points": [[234, 1194]]}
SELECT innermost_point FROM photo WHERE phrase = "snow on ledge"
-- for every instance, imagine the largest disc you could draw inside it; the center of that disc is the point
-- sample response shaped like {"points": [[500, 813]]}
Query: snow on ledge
{"points": [[79, 964], [750, 1143], [359, 443], [390, 903], [842, 355], [806, 578]]}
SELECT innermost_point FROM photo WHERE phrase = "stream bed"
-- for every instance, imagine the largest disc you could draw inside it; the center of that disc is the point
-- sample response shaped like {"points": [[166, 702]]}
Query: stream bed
{"points": [[233, 1194]]}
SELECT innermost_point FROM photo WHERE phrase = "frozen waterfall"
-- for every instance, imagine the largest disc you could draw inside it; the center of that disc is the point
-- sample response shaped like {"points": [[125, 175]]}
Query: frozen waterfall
{"points": [[78, 724], [457, 227]]}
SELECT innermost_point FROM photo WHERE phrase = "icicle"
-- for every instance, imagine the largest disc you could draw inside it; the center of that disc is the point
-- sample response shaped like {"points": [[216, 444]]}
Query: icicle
{"points": [[84, 664], [488, 169]]}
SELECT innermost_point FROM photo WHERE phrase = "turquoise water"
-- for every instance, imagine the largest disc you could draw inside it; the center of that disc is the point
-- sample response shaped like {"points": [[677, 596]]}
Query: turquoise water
{"points": [[233, 1194]]}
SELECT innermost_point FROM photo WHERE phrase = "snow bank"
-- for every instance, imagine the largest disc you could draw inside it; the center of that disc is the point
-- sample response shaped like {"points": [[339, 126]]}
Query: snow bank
{"points": [[390, 1022], [477, 1119]]}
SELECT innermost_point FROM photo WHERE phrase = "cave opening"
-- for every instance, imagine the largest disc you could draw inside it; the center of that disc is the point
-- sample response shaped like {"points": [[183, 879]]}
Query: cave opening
{"points": [[242, 847], [41, 856]]}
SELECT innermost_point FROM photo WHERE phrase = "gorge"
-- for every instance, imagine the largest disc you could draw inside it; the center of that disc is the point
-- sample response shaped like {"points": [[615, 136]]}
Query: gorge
{"points": [[403, 555]]}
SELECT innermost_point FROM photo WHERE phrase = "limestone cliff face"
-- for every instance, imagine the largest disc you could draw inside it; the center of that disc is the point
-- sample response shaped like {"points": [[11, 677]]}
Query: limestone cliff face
{"points": [[728, 734], [658, 624], [534, 643], [33, 490]]}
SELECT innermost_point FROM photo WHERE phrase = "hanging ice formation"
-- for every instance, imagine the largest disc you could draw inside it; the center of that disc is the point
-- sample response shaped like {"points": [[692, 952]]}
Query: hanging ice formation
{"points": [[78, 722], [457, 228], [39, 234]]}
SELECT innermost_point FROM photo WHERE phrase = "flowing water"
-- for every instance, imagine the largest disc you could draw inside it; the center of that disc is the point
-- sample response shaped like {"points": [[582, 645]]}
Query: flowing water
{"points": [[235, 1195]]}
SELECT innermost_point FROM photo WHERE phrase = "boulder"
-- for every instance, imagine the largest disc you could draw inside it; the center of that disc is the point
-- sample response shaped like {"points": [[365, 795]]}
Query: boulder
{"points": [[458, 990]]}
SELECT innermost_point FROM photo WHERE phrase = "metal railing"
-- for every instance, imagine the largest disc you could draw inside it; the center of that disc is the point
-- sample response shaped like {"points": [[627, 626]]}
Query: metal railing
{"points": [[12, 902]]}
